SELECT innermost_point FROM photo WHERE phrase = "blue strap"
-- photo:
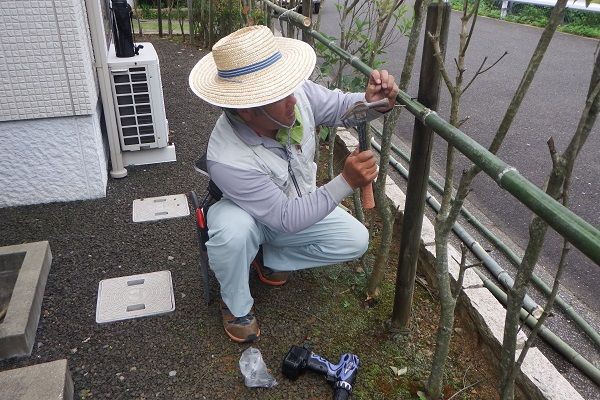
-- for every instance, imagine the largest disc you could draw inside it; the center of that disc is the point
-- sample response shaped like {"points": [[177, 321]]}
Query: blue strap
{"points": [[250, 68]]}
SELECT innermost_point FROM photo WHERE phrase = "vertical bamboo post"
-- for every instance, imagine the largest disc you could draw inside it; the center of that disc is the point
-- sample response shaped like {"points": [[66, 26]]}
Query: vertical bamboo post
{"points": [[159, 12], [429, 88], [191, 19], [307, 12], [267, 16], [210, 24], [290, 26]]}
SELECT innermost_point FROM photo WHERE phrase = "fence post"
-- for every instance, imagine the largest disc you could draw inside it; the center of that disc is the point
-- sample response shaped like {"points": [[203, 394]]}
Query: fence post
{"points": [[159, 12], [267, 12], [191, 20], [307, 12], [429, 88]]}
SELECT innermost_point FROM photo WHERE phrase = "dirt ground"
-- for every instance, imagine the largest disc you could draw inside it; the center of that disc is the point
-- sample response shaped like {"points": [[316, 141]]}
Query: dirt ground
{"points": [[185, 355]]}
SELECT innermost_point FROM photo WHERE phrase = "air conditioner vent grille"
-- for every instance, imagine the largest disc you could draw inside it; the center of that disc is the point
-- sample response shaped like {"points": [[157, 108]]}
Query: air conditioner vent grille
{"points": [[138, 101], [134, 107]]}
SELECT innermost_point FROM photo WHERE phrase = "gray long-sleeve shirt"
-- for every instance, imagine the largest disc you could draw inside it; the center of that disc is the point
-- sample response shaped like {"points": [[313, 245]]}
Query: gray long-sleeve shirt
{"points": [[258, 195]]}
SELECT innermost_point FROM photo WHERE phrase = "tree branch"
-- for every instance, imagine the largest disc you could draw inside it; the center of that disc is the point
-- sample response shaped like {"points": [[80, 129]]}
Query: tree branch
{"points": [[390, 14], [473, 12], [461, 272], [463, 389], [462, 121], [481, 71], [437, 53]]}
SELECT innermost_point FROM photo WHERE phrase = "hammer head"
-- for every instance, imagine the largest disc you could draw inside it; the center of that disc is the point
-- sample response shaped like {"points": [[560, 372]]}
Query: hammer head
{"points": [[358, 113]]}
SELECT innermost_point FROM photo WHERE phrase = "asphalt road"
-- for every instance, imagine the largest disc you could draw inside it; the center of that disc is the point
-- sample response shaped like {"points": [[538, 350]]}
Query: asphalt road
{"points": [[552, 107]]}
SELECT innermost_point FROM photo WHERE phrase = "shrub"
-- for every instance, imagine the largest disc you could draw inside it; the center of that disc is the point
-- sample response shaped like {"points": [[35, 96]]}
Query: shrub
{"points": [[577, 22]]}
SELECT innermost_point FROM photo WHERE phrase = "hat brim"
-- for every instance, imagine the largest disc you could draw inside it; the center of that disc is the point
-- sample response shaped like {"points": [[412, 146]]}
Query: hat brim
{"points": [[258, 88]]}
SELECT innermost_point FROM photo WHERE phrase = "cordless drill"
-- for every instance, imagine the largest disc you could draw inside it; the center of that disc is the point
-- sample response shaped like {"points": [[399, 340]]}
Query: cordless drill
{"points": [[342, 374]]}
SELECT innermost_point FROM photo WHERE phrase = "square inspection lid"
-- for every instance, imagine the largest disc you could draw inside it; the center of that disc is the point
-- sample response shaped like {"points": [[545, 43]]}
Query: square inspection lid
{"points": [[157, 208], [135, 296]]}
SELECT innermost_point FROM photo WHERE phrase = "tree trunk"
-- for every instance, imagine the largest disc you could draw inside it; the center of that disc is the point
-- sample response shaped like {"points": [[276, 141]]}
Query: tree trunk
{"points": [[446, 321], [159, 12], [537, 233], [358, 210], [169, 17]]}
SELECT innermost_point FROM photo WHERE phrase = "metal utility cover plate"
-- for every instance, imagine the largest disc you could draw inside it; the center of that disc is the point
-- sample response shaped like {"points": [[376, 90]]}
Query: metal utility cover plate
{"points": [[135, 296], [156, 208]]}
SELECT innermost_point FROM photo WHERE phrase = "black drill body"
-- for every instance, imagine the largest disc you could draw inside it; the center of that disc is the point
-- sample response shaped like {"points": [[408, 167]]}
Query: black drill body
{"points": [[342, 374]]}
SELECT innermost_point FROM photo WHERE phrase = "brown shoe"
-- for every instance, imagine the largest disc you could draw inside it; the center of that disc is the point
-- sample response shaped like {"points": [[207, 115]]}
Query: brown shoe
{"points": [[240, 329], [269, 276]]}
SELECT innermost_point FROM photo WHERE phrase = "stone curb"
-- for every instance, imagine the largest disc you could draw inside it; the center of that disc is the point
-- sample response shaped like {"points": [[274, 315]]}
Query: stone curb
{"points": [[18, 329], [50, 380], [538, 379]]}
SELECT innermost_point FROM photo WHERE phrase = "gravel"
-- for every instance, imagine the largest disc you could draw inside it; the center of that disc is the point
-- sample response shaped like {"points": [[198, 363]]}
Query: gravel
{"points": [[182, 355]]}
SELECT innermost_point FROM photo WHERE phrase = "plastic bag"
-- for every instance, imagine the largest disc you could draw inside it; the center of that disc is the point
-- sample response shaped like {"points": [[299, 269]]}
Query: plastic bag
{"points": [[254, 369]]}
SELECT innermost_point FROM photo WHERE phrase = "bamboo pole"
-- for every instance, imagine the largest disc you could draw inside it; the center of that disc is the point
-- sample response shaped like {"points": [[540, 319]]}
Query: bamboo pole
{"points": [[410, 239], [191, 19], [307, 12]]}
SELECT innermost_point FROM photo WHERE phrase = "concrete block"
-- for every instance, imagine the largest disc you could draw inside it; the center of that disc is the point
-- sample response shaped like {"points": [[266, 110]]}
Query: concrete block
{"points": [[396, 195], [489, 316], [51, 380], [541, 379], [17, 330]]}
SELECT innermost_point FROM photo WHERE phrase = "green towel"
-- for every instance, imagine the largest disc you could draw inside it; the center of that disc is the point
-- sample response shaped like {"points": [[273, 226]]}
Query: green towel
{"points": [[295, 131]]}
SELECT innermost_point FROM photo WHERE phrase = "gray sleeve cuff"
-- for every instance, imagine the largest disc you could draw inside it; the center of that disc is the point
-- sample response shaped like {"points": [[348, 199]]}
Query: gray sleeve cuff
{"points": [[338, 188]]}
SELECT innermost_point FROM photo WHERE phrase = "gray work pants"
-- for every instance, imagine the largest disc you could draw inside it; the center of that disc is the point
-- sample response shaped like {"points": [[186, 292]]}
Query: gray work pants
{"points": [[234, 237]]}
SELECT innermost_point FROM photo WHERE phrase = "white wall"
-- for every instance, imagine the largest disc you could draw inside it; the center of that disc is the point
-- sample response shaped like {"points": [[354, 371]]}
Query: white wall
{"points": [[46, 65], [51, 146], [51, 159]]}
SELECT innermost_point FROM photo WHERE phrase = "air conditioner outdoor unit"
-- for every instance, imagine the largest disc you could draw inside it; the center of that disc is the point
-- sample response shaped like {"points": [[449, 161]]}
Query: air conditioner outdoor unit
{"points": [[139, 107]]}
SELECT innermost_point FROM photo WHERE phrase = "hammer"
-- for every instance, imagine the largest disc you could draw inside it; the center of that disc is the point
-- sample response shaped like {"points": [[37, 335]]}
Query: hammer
{"points": [[356, 116]]}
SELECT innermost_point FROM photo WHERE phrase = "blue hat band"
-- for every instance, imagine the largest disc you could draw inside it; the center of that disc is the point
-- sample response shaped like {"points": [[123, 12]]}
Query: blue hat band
{"points": [[259, 66]]}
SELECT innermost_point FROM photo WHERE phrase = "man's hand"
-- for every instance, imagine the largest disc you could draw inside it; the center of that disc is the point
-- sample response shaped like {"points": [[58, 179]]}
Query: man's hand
{"points": [[381, 85], [360, 168]]}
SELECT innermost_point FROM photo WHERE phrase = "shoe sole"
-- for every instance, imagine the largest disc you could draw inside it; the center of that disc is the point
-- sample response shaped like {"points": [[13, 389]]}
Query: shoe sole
{"points": [[251, 338], [264, 279]]}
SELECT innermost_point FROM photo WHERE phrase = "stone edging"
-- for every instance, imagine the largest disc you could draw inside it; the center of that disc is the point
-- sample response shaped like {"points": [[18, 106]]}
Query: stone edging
{"points": [[539, 379], [18, 330]]}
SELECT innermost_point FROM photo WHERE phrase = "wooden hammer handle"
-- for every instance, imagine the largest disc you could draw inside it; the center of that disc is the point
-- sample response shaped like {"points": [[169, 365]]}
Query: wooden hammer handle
{"points": [[366, 196]]}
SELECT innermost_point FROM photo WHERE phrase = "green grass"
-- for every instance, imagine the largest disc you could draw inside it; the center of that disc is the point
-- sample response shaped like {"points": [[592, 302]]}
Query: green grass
{"points": [[576, 22], [361, 330], [151, 26]]}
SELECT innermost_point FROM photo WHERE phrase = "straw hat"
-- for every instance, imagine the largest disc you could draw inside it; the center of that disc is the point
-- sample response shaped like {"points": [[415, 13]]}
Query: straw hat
{"points": [[251, 68]]}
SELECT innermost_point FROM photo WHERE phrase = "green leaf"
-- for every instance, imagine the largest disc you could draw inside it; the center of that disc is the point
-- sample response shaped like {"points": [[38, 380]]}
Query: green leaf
{"points": [[421, 395]]}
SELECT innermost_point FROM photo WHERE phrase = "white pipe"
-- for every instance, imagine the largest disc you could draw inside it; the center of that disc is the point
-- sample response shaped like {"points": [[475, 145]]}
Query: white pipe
{"points": [[99, 46]]}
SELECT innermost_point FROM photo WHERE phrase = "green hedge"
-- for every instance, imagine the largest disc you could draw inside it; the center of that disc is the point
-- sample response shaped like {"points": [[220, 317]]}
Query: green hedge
{"points": [[583, 23]]}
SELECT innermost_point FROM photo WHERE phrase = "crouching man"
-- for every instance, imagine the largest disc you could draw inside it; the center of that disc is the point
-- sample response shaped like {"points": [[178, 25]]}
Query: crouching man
{"points": [[260, 154]]}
